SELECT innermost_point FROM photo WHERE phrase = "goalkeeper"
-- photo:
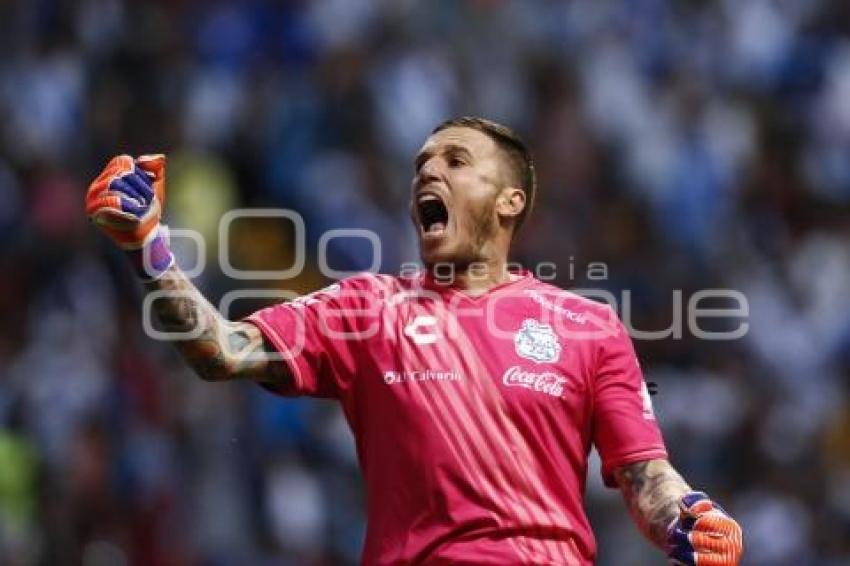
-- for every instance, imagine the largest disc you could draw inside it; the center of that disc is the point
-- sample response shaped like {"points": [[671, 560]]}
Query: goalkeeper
{"points": [[473, 444]]}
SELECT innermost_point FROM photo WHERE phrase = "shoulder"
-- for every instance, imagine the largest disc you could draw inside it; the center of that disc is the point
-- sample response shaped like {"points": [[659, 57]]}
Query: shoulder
{"points": [[365, 286], [561, 300], [368, 280], [583, 317]]}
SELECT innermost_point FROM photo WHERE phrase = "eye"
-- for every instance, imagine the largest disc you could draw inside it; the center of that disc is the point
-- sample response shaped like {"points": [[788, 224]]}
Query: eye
{"points": [[455, 161]]}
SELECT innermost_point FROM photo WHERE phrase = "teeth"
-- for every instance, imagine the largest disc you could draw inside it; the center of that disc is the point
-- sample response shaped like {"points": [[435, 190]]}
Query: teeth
{"points": [[432, 213]]}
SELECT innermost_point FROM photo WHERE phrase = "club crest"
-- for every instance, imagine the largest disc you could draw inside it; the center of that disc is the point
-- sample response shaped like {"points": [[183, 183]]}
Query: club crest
{"points": [[537, 341]]}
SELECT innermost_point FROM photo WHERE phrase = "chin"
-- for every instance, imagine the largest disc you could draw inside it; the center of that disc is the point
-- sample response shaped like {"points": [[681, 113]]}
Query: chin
{"points": [[434, 257], [431, 254], [443, 253]]}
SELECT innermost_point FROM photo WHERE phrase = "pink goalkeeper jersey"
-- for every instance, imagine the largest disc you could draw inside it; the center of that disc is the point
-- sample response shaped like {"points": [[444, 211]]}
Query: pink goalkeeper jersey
{"points": [[473, 416]]}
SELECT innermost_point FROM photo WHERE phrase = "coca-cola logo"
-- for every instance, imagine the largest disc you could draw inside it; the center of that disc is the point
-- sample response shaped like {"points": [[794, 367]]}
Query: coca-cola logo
{"points": [[547, 382]]}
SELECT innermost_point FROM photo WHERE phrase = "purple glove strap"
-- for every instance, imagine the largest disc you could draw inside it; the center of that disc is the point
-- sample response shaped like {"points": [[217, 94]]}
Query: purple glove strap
{"points": [[159, 258]]}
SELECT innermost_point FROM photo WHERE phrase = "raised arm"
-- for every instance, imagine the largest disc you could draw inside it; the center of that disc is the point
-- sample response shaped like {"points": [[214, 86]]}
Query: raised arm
{"points": [[125, 201], [223, 349], [686, 524]]}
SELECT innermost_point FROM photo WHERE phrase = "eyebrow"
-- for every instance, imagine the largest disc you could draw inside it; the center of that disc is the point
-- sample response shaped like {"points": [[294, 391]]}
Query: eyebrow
{"points": [[424, 156]]}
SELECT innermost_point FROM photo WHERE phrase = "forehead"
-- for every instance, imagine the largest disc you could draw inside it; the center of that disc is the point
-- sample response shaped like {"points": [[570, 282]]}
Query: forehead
{"points": [[477, 143]]}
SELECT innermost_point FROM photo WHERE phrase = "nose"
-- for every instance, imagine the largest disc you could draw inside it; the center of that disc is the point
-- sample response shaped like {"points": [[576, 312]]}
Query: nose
{"points": [[429, 172]]}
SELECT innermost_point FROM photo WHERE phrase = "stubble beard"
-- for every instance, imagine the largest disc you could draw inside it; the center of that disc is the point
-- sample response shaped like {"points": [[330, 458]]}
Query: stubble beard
{"points": [[483, 228]]}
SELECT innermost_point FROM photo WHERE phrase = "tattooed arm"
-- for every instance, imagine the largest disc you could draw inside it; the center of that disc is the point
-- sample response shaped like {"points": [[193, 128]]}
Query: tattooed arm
{"points": [[125, 202], [223, 349], [652, 489]]}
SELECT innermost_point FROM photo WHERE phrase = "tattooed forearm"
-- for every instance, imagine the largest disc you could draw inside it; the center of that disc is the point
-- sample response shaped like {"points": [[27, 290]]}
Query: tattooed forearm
{"points": [[219, 349], [652, 490]]}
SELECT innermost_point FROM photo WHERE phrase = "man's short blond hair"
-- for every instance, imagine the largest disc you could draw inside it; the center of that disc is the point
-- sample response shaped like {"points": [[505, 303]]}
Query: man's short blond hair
{"points": [[520, 163]]}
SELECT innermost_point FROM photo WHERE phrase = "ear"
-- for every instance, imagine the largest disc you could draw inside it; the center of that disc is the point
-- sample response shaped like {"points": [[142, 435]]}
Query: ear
{"points": [[510, 202]]}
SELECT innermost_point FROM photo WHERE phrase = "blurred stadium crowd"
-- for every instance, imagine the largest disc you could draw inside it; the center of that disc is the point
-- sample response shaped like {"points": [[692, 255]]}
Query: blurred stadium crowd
{"points": [[687, 144]]}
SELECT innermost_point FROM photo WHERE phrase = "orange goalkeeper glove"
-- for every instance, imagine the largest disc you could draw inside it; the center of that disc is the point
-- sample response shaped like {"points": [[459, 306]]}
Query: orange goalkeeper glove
{"points": [[125, 201], [704, 534]]}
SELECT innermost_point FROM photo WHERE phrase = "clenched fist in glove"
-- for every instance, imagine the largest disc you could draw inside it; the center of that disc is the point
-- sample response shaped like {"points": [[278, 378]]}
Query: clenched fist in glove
{"points": [[125, 201], [704, 534]]}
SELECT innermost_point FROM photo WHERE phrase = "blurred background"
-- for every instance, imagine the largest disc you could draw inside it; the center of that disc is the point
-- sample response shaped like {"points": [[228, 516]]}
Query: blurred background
{"points": [[687, 144]]}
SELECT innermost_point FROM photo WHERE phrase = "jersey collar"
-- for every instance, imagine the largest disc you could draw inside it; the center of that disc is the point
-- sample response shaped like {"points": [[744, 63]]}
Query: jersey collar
{"points": [[520, 278]]}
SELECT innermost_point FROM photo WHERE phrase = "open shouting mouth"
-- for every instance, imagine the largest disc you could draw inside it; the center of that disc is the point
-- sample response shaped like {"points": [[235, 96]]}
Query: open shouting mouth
{"points": [[433, 214]]}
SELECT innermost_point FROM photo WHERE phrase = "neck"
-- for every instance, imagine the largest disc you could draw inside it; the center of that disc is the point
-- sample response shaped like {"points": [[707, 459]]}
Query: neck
{"points": [[475, 278]]}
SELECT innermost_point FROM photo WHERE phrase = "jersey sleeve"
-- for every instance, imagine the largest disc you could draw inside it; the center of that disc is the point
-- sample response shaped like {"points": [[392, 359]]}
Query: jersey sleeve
{"points": [[624, 426], [319, 335]]}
